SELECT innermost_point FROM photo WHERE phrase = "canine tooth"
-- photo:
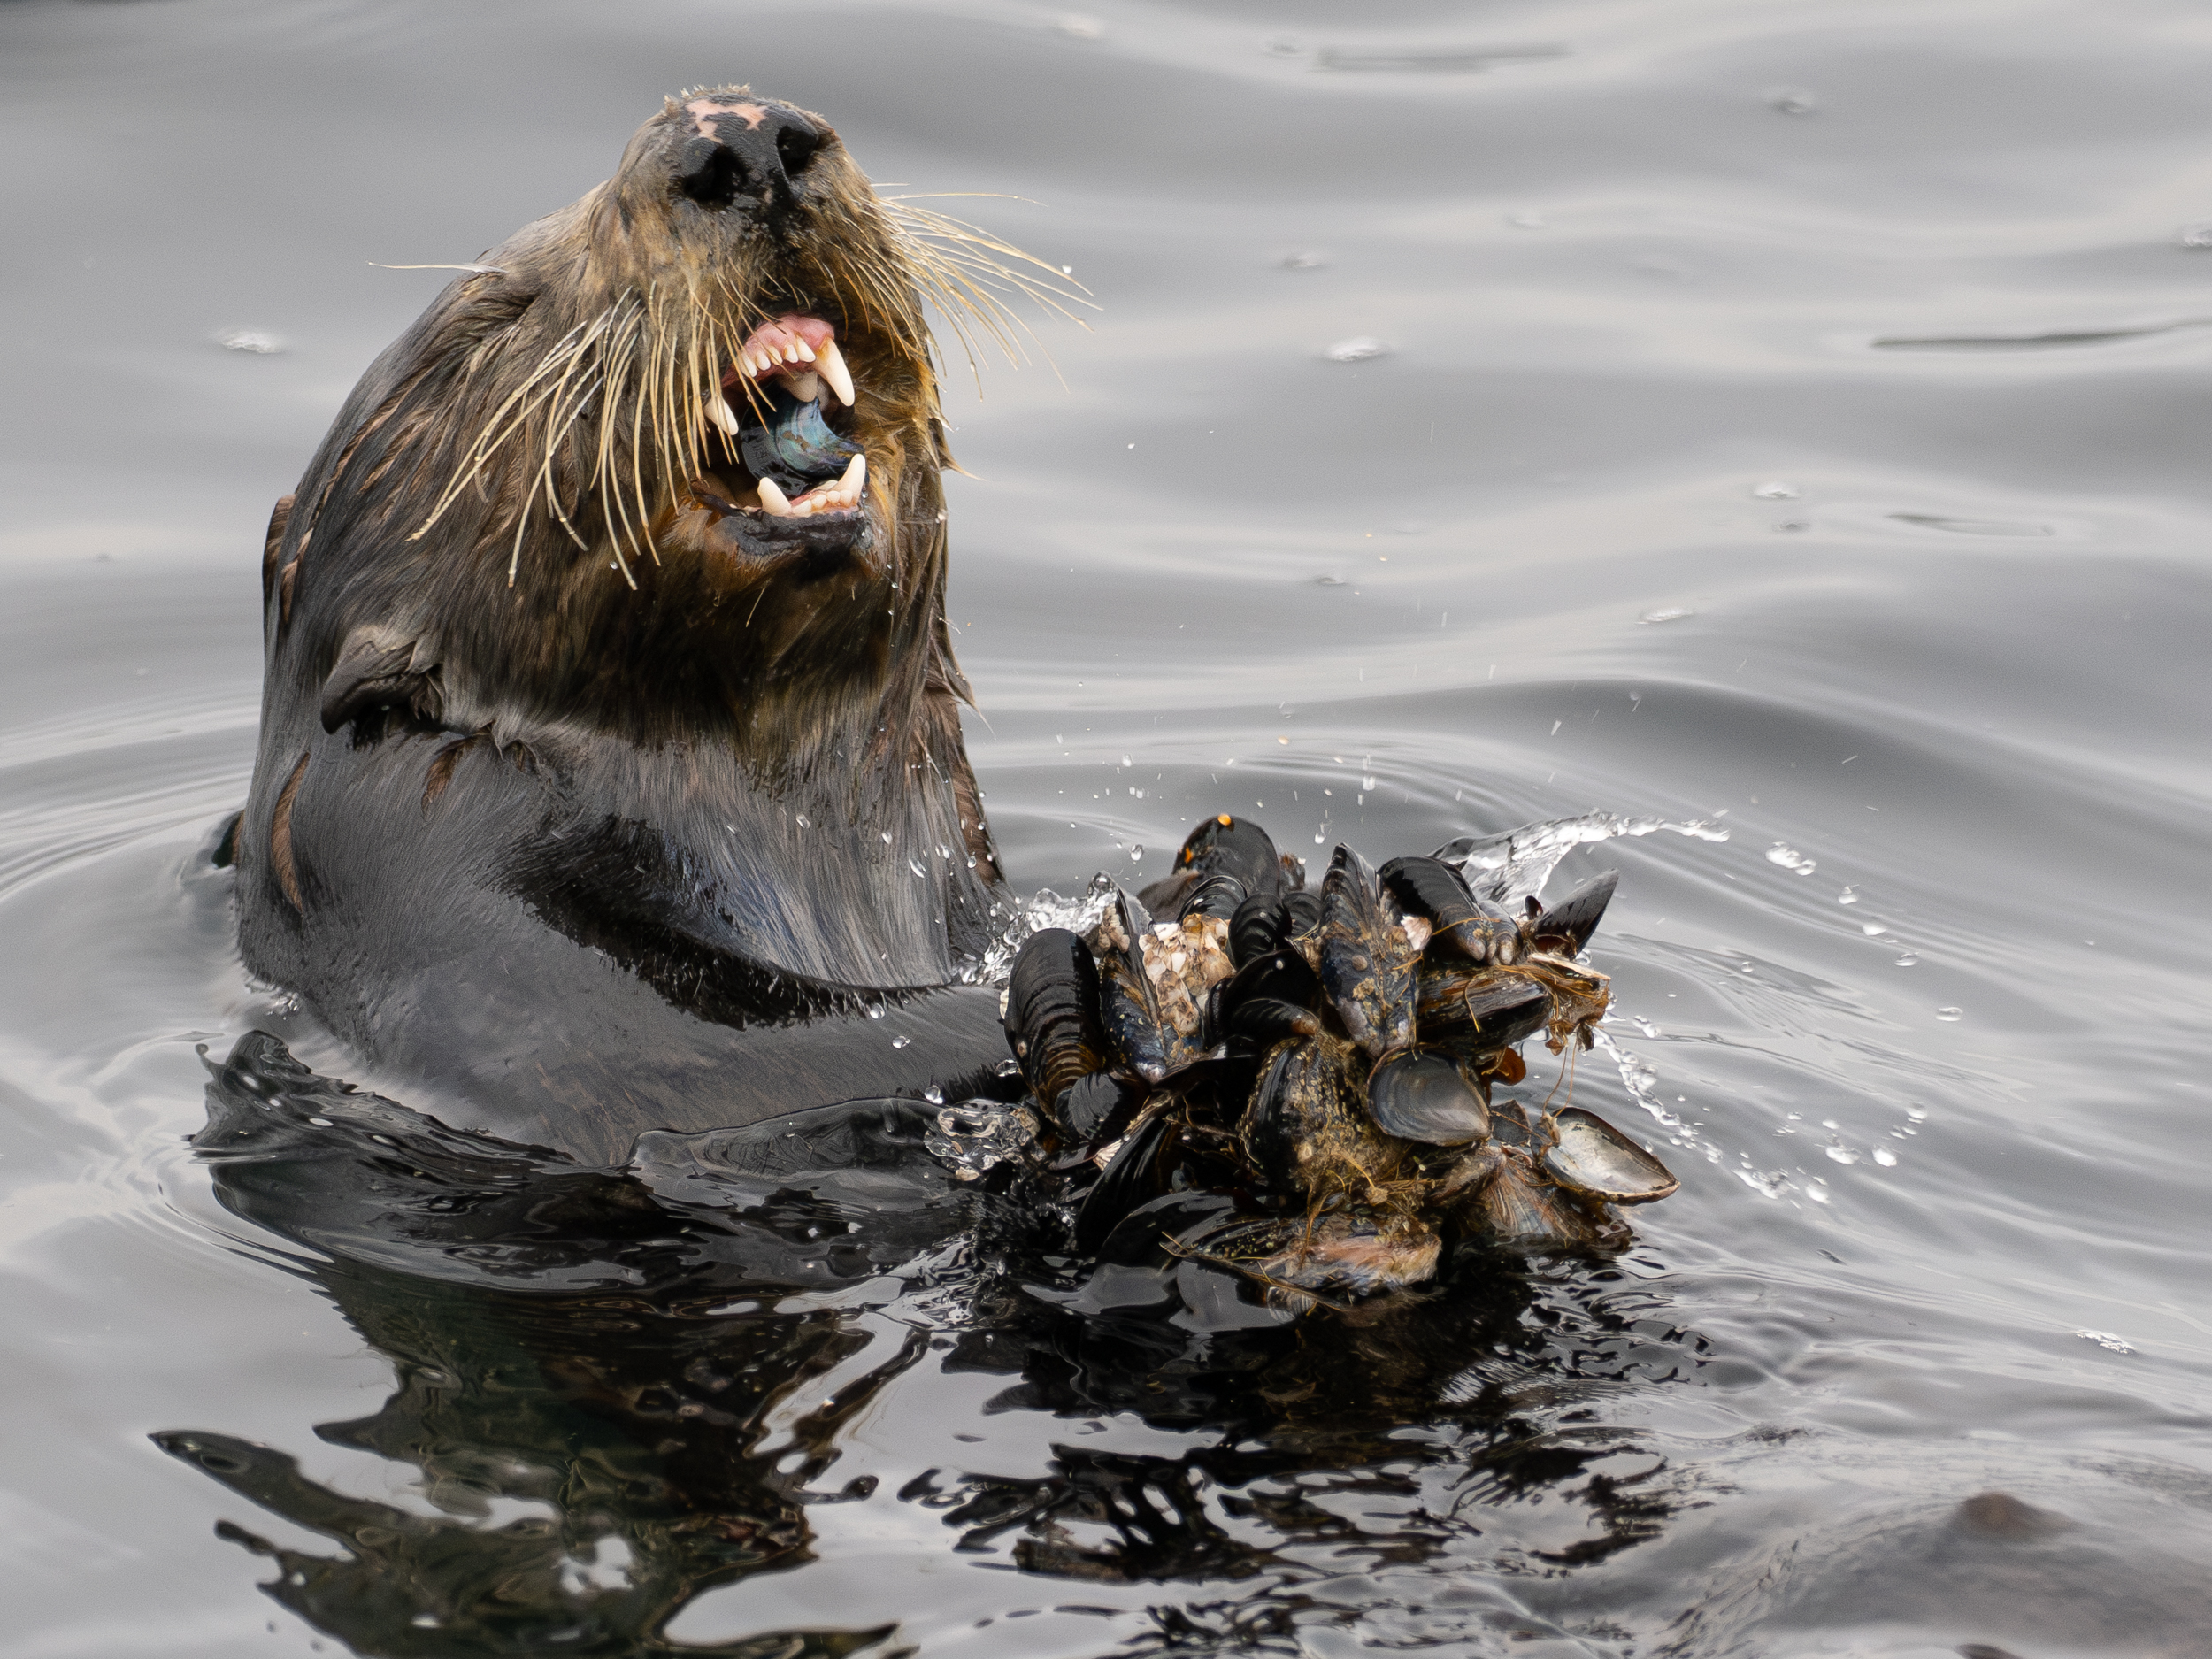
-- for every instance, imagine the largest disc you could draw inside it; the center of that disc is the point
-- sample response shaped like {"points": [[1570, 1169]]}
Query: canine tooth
{"points": [[855, 479], [806, 387], [720, 413], [773, 502], [831, 363]]}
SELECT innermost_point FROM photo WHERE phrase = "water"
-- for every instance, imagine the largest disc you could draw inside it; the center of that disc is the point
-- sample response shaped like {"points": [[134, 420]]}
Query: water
{"points": [[1785, 417]]}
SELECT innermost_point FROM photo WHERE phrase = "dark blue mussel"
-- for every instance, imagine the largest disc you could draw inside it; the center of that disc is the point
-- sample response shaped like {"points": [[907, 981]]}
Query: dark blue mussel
{"points": [[1051, 1020], [790, 442], [1465, 924], [1366, 957], [1426, 1097]]}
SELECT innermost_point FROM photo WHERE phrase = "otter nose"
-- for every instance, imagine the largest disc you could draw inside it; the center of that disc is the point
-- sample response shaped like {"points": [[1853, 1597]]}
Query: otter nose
{"points": [[745, 155]]}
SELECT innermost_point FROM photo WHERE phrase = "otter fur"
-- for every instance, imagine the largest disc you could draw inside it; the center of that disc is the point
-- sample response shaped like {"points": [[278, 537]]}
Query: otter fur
{"points": [[605, 784]]}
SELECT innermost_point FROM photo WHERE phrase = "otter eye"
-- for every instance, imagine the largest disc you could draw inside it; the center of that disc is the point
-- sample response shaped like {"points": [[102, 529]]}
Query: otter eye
{"points": [[795, 145]]}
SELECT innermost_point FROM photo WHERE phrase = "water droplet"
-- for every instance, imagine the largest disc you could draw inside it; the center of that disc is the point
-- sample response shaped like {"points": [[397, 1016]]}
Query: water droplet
{"points": [[1775, 490], [1818, 1191], [1781, 853], [1918, 1114], [914, 864], [934, 1094], [1908, 960], [1949, 1014], [1842, 1155], [1670, 613], [901, 1040], [875, 1011], [1367, 783], [2105, 1339], [1125, 760], [1007, 1068], [1884, 1157], [1136, 852], [321, 1123], [886, 838], [1643, 1026], [1848, 896], [1308, 260], [252, 341], [803, 821], [1873, 929], [1359, 349]]}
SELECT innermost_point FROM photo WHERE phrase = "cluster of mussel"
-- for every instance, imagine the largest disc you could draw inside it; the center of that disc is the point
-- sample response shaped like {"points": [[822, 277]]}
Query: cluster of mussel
{"points": [[1322, 1062]]}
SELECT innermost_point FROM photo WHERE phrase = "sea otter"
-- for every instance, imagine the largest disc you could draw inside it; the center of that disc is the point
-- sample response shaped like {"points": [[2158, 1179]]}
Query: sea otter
{"points": [[611, 775]]}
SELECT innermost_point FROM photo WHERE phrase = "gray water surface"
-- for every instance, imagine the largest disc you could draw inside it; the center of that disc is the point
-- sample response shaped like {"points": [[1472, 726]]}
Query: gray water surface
{"points": [[1788, 416]]}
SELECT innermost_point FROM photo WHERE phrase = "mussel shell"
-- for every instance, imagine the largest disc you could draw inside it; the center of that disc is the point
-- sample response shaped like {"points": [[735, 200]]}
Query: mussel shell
{"points": [[1216, 895], [794, 445], [1135, 1174], [1343, 1254], [1096, 1108], [1127, 1008], [1588, 1155], [1464, 925], [1052, 1022], [1489, 1008], [1567, 926], [1281, 975], [1260, 924], [1425, 1097], [1306, 1094], [1234, 847], [1366, 959]]}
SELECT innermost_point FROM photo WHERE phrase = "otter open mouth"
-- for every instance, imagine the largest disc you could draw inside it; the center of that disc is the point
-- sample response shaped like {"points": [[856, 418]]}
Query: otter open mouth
{"points": [[781, 474]]}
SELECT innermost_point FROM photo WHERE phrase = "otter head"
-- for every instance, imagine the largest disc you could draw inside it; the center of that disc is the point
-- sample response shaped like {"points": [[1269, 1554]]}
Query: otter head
{"points": [[665, 463]]}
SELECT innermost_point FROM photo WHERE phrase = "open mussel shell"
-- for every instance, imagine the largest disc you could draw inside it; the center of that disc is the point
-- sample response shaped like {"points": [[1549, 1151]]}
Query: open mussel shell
{"points": [[1566, 926], [1052, 1022], [1425, 1097], [1588, 1155]]}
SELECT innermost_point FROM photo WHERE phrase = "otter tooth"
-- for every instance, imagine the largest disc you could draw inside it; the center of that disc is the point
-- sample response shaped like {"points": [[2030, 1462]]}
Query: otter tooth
{"points": [[855, 481], [773, 502], [720, 413], [806, 387], [806, 352], [831, 363]]}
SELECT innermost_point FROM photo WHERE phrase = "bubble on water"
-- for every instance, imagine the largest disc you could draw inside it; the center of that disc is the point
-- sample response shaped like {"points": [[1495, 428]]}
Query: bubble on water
{"points": [[1949, 1014], [1766, 1183], [1125, 760], [2105, 1340], [1918, 1114], [1307, 260], [1359, 349], [1670, 613], [1849, 895], [1790, 100], [1842, 1154], [321, 1123], [1136, 853], [1884, 1157], [901, 1040], [1908, 960], [1787, 856], [1774, 490]]}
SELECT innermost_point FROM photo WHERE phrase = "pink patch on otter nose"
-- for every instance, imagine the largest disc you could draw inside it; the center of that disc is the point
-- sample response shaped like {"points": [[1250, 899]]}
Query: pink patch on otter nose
{"points": [[703, 112]]}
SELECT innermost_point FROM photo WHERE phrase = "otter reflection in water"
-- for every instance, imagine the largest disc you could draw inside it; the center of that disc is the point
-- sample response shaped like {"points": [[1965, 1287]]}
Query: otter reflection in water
{"points": [[652, 1362]]}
